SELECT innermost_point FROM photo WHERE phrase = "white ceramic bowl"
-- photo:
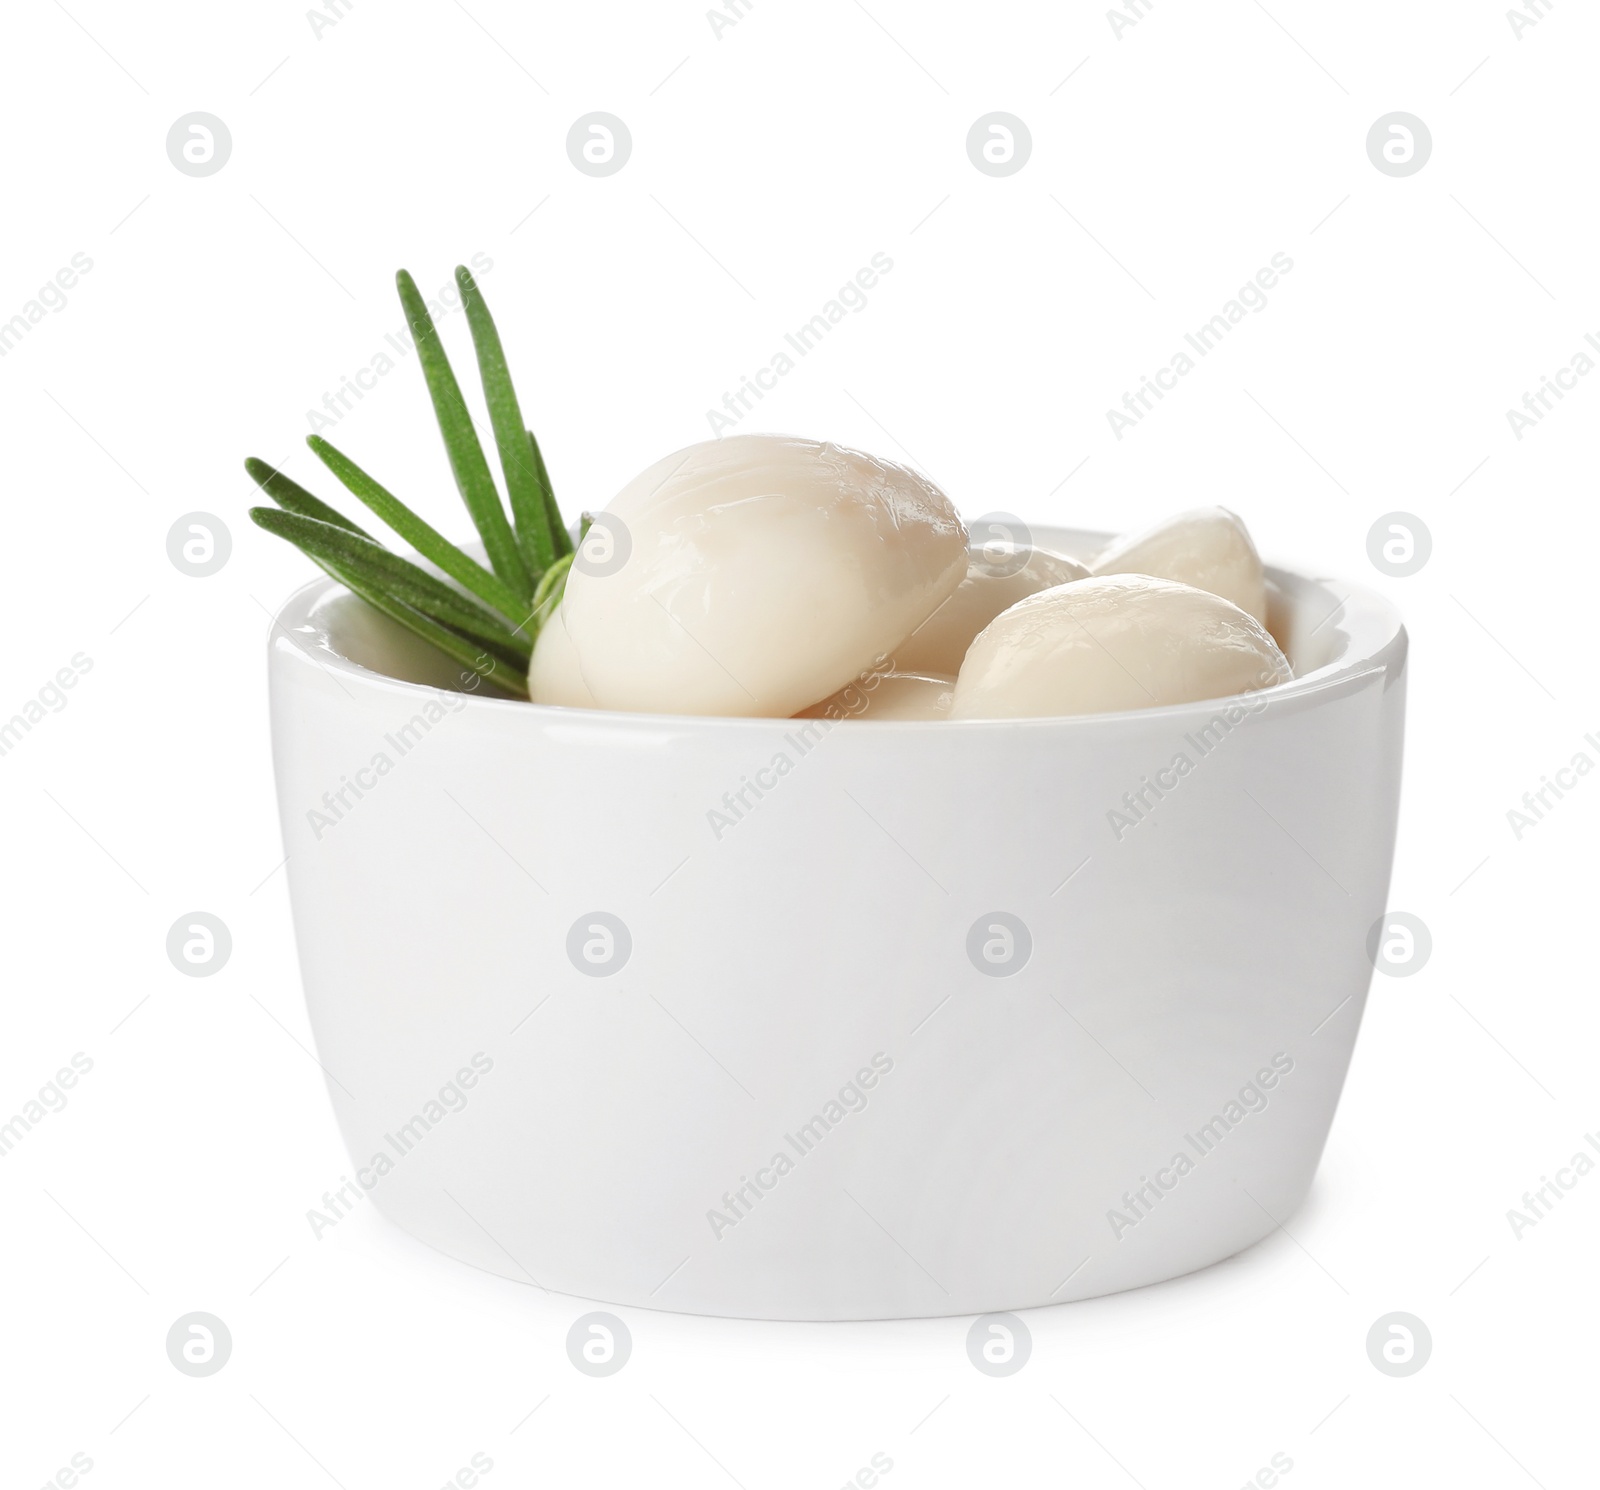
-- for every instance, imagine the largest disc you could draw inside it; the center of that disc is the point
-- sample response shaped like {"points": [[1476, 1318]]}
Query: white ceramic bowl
{"points": [[801, 1096]]}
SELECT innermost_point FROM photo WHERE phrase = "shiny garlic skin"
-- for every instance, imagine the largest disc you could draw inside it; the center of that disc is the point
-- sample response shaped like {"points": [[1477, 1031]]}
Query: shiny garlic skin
{"points": [[993, 583], [554, 676], [764, 572], [1207, 547], [883, 696], [1113, 643]]}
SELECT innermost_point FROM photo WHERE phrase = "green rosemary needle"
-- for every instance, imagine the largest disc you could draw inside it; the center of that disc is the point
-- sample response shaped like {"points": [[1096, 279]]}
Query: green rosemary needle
{"points": [[489, 618]]}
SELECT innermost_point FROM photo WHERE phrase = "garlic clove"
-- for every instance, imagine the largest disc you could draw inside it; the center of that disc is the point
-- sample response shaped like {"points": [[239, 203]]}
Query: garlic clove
{"points": [[994, 582], [762, 572], [880, 696], [1207, 547], [1111, 643], [554, 676]]}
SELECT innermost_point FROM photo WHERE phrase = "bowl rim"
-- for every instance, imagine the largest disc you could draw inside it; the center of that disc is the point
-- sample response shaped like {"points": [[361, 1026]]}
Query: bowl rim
{"points": [[1376, 641]]}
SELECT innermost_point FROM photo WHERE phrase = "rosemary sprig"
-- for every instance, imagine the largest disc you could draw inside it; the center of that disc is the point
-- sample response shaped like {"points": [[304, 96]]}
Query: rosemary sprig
{"points": [[552, 513], [426, 539], [552, 586], [529, 560], [459, 648], [510, 434], [467, 462], [293, 497], [379, 569]]}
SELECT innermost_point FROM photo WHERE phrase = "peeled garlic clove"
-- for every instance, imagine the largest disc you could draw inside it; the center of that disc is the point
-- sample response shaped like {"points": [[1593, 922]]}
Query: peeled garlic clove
{"points": [[1208, 547], [762, 572], [1125, 642], [554, 676], [888, 696], [995, 581]]}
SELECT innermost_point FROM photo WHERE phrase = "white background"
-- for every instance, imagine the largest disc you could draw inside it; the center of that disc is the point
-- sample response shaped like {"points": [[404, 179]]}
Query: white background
{"points": [[768, 165]]}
